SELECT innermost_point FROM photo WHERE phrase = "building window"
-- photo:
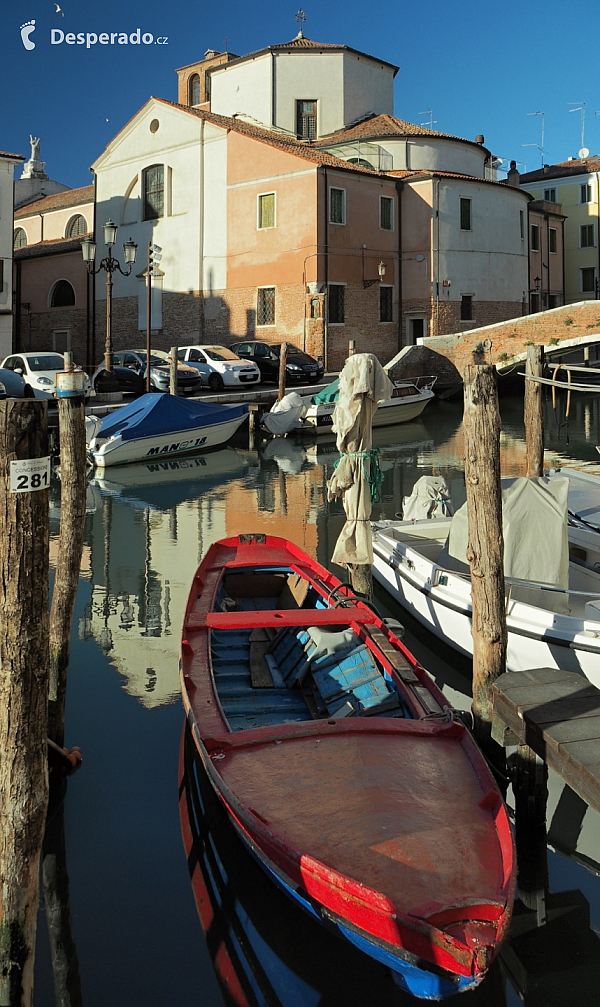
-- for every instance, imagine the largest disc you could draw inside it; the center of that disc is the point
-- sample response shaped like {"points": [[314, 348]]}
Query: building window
{"points": [[194, 89], [266, 210], [336, 303], [306, 120], [63, 295], [337, 206], [466, 308], [588, 280], [522, 223], [386, 213], [265, 306], [535, 303], [550, 195], [20, 238], [386, 304], [585, 193], [535, 238], [586, 236], [465, 214], [153, 192], [76, 226], [552, 239]]}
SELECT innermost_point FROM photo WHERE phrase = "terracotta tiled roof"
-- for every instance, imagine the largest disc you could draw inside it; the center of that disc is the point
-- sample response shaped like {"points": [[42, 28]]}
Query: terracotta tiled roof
{"points": [[53, 246], [16, 157], [433, 173], [378, 127], [563, 169], [302, 43], [58, 201], [282, 141]]}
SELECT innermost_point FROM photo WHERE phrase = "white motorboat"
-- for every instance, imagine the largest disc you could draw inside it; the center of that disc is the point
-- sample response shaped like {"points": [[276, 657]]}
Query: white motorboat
{"points": [[159, 426], [552, 577], [408, 401]]}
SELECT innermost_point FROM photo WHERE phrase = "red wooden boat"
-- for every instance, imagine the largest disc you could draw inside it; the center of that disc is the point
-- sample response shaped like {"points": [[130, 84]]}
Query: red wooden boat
{"points": [[343, 768]]}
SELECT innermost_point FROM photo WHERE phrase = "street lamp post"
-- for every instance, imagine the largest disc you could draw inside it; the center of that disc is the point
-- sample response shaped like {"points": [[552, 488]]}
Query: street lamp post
{"points": [[109, 265]]}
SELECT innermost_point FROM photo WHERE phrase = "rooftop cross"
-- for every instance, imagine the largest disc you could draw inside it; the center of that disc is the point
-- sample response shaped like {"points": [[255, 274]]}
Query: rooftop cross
{"points": [[300, 17]]}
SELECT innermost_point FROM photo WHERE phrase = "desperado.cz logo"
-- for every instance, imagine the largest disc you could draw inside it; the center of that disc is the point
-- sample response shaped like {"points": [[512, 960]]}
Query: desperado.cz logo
{"points": [[90, 38]]}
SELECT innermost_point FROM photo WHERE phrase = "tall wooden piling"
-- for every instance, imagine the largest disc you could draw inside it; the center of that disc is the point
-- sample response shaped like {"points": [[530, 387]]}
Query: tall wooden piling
{"points": [[283, 351], [24, 659], [485, 551], [173, 371], [71, 421], [534, 414]]}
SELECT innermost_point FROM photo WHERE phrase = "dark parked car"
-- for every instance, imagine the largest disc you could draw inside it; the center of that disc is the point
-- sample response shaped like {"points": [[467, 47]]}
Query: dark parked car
{"points": [[189, 381], [130, 382], [12, 385], [300, 369]]}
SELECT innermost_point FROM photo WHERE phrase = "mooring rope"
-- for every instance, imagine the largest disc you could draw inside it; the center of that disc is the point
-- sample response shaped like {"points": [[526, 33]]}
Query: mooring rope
{"points": [[372, 472]]}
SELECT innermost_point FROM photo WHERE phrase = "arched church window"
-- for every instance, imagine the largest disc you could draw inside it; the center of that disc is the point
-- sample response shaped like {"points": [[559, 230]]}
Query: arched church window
{"points": [[20, 238], [194, 89], [76, 226], [153, 192], [63, 295]]}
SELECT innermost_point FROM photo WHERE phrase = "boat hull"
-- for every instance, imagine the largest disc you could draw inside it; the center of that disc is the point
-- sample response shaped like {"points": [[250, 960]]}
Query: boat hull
{"points": [[402, 864], [158, 447], [319, 419], [442, 604]]}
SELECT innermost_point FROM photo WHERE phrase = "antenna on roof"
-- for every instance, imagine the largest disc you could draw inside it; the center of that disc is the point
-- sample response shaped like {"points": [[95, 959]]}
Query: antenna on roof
{"points": [[580, 108], [300, 18], [226, 44], [431, 121]]}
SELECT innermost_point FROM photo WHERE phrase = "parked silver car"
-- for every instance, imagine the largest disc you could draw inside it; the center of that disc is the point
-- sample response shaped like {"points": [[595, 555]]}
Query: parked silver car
{"points": [[189, 381]]}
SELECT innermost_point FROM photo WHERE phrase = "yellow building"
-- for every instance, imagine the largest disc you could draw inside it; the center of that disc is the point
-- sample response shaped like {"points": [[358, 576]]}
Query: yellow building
{"points": [[574, 185]]}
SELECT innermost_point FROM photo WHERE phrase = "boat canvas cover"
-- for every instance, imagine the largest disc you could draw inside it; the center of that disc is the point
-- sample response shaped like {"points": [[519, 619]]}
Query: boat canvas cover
{"points": [[327, 395], [285, 415], [160, 413], [429, 498], [534, 527]]}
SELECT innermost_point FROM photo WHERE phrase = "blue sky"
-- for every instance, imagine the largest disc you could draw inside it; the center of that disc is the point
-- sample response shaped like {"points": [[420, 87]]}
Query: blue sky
{"points": [[478, 69]]}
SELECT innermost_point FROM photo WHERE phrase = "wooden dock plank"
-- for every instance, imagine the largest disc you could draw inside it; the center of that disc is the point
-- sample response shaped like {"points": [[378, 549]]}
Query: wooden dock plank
{"points": [[556, 713]]}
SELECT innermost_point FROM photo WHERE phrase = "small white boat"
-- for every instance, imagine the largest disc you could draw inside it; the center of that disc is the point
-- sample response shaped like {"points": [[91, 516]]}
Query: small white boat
{"points": [[158, 426], [552, 577], [298, 414], [408, 401]]}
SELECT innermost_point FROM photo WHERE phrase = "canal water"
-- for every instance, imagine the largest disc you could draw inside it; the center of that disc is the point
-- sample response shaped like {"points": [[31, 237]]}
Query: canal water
{"points": [[137, 937]]}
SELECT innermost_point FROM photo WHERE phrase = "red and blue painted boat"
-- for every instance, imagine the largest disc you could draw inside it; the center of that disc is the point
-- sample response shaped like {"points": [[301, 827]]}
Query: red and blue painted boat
{"points": [[343, 768]]}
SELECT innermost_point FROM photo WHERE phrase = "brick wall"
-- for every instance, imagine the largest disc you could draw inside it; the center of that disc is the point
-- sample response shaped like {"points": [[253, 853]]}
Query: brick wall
{"points": [[509, 339], [38, 328]]}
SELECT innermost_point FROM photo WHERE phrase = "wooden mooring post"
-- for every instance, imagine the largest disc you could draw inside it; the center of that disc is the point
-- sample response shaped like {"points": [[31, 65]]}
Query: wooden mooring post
{"points": [[283, 352], [71, 419], [485, 551], [24, 663], [534, 412]]}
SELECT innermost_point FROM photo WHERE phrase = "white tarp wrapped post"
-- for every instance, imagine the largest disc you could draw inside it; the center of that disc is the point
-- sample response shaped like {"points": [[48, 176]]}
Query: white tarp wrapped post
{"points": [[363, 385]]}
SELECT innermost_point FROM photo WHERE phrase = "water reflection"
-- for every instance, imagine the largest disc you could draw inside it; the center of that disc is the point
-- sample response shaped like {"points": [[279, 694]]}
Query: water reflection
{"points": [[147, 528]]}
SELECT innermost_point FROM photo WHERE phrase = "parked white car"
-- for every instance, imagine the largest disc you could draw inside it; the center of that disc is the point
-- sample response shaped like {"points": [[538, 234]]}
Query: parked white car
{"points": [[219, 366], [38, 371]]}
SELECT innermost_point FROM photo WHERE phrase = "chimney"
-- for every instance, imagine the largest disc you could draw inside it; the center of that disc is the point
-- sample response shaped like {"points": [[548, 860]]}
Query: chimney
{"points": [[480, 138], [513, 177], [546, 169]]}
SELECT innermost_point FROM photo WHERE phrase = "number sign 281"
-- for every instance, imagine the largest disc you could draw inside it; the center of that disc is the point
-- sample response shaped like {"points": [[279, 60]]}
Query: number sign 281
{"points": [[29, 474]]}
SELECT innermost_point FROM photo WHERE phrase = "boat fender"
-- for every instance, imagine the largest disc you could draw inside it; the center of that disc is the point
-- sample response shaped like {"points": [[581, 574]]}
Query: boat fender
{"points": [[72, 757]]}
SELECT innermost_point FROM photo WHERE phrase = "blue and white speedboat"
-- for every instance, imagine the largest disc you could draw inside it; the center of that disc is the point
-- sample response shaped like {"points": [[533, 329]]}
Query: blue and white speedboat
{"points": [[158, 426]]}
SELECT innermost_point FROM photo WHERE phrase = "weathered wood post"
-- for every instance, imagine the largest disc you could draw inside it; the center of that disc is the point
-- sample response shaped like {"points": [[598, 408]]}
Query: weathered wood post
{"points": [[173, 371], [362, 580], [24, 659], [485, 551], [534, 412], [71, 421], [282, 366]]}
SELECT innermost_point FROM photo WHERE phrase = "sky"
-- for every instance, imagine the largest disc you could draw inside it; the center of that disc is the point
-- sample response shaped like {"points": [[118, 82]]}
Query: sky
{"points": [[468, 68]]}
